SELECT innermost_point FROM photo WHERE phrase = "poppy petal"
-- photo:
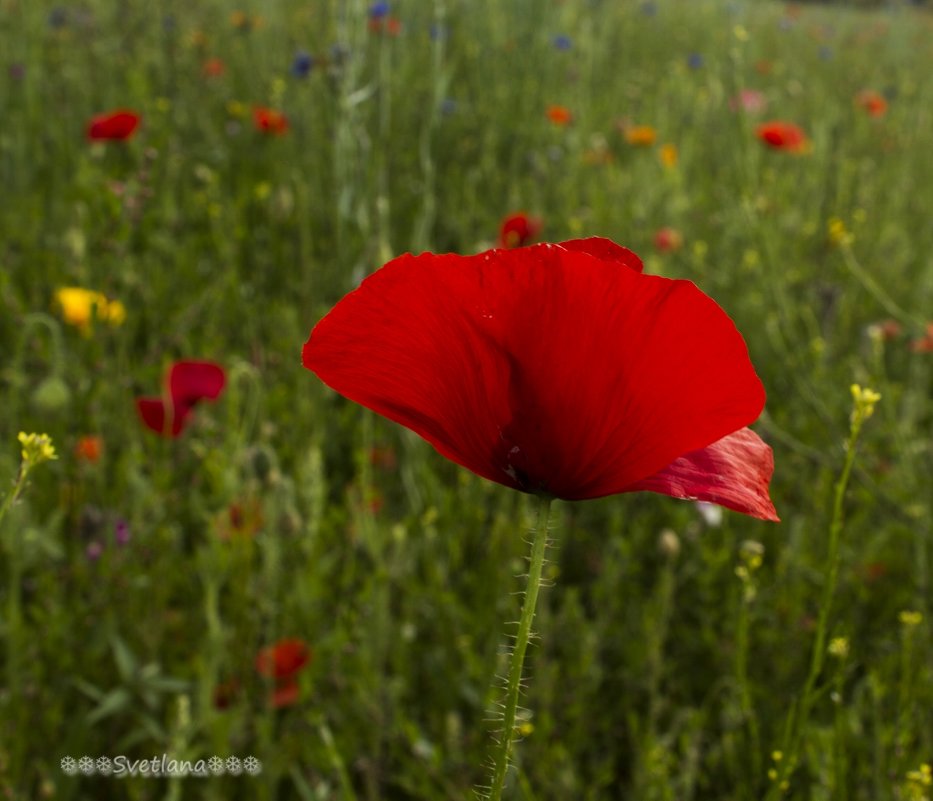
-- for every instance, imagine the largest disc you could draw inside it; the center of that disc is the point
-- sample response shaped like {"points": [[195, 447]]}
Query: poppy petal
{"points": [[607, 250], [542, 368], [286, 694], [733, 472], [120, 124], [192, 381], [152, 413], [284, 659]]}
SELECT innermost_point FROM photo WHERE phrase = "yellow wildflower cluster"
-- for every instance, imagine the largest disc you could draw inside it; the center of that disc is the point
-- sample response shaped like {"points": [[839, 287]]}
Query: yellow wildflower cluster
{"points": [[81, 306], [36, 448], [751, 558], [839, 647], [919, 782], [910, 618], [865, 400], [838, 234]]}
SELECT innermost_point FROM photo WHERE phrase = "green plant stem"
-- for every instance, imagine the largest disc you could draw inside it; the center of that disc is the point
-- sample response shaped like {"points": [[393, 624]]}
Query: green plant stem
{"points": [[504, 745], [801, 713]]}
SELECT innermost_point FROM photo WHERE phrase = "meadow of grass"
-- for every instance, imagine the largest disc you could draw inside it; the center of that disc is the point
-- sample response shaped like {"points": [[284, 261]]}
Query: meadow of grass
{"points": [[681, 656]]}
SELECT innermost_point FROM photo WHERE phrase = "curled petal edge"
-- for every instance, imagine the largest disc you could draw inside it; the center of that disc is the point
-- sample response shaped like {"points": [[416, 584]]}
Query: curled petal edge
{"points": [[733, 472]]}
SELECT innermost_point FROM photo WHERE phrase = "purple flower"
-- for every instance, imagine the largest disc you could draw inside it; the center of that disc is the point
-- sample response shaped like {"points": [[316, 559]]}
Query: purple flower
{"points": [[93, 551], [301, 64], [378, 10], [562, 42], [121, 531]]}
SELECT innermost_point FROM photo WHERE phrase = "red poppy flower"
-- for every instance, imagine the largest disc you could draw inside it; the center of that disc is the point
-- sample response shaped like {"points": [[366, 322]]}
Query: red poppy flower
{"points": [[518, 229], [189, 383], [225, 694], [924, 344], [287, 693], [873, 103], [283, 659], [89, 448], [559, 115], [270, 121], [387, 25], [115, 125], [668, 239], [213, 68], [556, 369], [783, 136]]}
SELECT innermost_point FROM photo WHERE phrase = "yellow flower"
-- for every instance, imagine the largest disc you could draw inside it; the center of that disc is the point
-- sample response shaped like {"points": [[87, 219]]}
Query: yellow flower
{"points": [[236, 108], [839, 647], [668, 155], [81, 306], [838, 234], [865, 400], [909, 618], [36, 448]]}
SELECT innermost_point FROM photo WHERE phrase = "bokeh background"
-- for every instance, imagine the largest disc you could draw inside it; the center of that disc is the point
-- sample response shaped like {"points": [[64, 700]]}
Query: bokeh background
{"points": [[294, 579]]}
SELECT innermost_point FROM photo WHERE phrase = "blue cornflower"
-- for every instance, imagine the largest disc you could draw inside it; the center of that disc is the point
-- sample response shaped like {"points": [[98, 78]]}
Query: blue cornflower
{"points": [[562, 42], [301, 64]]}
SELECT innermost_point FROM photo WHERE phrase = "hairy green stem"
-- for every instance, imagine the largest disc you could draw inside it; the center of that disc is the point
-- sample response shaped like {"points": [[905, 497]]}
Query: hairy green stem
{"points": [[503, 749], [800, 713]]}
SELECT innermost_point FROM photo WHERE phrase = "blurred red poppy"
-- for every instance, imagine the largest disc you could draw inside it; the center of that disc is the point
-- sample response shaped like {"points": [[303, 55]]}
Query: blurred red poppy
{"points": [[924, 344], [783, 136], [225, 694], [283, 659], [668, 239], [282, 662], [872, 103], [114, 125], [518, 229], [213, 68], [189, 382], [89, 448], [270, 121], [559, 115], [558, 370], [387, 25], [286, 693]]}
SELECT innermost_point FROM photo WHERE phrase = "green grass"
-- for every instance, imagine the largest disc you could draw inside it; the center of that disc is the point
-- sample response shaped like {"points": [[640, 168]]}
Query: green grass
{"points": [[660, 673]]}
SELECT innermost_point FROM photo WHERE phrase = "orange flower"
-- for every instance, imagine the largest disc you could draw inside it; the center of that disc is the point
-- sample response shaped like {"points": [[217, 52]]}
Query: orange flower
{"points": [[872, 103], [89, 448], [668, 155], [559, 115], [641, 135], [270, 121], [783, 136]]}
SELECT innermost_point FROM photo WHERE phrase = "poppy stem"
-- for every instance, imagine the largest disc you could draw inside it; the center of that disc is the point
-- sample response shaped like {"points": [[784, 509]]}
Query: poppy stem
{"points": [[503, 750]]}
